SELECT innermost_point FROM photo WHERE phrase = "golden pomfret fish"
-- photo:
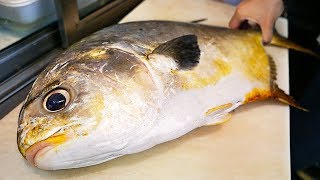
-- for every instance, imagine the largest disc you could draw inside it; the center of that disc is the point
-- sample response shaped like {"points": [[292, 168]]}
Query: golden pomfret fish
{"points": [[132, 86]]}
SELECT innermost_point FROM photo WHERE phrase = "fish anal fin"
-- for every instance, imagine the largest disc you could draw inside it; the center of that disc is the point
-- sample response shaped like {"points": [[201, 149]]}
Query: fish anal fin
{"points": [[218, 115], [221, 119], [184, 50]]}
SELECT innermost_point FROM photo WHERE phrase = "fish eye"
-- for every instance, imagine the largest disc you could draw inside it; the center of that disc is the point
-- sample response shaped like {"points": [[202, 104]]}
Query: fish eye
{"points": [[56, 100]]}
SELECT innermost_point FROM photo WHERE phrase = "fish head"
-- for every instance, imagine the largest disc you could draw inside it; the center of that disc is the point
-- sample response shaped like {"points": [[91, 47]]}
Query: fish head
{"points": [[85, 108]]}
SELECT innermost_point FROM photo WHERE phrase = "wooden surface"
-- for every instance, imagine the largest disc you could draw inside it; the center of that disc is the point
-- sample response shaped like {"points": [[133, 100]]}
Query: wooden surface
{"points": [[253, 145]]}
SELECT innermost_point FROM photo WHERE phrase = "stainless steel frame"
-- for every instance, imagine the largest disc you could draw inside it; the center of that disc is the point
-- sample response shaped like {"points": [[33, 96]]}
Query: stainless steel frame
{"points": [[73, 29]]}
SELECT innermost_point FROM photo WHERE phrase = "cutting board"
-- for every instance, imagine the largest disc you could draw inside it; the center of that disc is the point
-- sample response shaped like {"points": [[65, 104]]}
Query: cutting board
{"points": [[253, 145]]}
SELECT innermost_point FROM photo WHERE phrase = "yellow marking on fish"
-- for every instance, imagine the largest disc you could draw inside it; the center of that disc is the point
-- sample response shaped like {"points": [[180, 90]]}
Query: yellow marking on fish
{"points": [[98, 105], [253, 59], [39, 131], [257, 94], [95, 108], [84, 134], [96, 53], [203, 76], [57, 140], [258, 66], [221, 107], [249, 57]]}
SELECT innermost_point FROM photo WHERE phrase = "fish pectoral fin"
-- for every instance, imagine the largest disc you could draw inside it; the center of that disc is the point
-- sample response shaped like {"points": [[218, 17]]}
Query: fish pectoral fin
{"points": [[184, 50], [219, 114]]}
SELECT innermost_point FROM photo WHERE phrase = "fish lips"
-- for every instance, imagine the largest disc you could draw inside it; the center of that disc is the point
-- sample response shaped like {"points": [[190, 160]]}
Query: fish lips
{"points": [[39, 149], [36, 150]]}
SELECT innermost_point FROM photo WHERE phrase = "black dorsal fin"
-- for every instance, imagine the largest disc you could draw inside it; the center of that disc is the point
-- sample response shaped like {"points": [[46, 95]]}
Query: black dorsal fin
{"points": [[184, 50]]}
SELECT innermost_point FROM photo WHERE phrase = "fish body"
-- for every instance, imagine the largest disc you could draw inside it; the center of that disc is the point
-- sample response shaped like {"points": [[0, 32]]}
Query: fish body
{"points": [[129, 87]]}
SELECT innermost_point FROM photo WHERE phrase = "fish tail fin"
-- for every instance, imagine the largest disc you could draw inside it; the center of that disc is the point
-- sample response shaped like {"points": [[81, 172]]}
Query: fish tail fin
{"points": [[279, 41], [278, 93]]}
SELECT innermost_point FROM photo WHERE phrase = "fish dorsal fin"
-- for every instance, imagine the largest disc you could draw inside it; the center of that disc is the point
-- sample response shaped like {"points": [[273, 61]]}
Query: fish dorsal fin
{"points": [[184, 50], [196, 21]]}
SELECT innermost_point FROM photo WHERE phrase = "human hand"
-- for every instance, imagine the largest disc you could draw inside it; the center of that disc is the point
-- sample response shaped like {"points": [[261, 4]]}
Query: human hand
{"points": [[262, 12]]}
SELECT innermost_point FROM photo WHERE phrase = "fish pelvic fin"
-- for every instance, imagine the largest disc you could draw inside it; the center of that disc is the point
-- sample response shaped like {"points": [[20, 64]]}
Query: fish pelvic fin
{"points": [[223, 118], [218, 109], [220, 114], [279, 41], [278, 93]]}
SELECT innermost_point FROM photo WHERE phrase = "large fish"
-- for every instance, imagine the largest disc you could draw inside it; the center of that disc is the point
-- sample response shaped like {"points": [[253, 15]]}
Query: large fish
{"points": [[132, 86]]}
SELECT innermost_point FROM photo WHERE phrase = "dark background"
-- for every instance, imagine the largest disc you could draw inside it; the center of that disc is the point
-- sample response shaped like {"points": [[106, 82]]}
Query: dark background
{"points": [[304, 28]]}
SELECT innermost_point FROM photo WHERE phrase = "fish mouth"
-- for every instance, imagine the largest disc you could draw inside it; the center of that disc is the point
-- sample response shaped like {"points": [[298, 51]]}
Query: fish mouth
{"points": [[54, 136], [39, 149], [36, 150]]}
